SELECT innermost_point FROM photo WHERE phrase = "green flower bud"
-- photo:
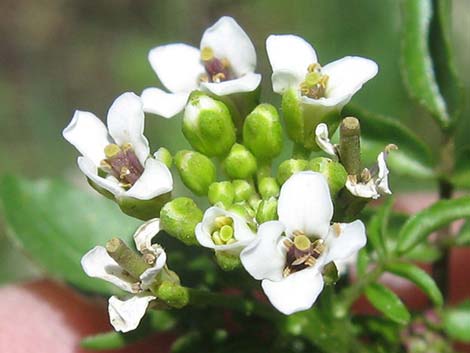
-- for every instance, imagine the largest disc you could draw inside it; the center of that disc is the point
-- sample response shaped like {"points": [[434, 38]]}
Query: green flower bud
{"points": [[173, 294], [240, 163], [208, 126], [267, 211], [268, 187], [196, 170], [179, 218], [262, 132], [143, 209], [330, 274], [243, 190], [243, 209], [221, 192], [289, 167], [226, 261], [301, 119], [164, 156], [334, 172]]}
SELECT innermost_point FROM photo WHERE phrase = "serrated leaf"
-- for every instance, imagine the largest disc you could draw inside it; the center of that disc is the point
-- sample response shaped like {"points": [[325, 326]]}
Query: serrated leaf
{"points": [[417, 65], [57, 224], [387, 302], [423, 223], [457, 322], [418, 277]]}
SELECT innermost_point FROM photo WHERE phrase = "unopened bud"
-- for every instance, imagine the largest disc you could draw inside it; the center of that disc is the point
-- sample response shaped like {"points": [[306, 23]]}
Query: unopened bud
{"points": [[267, 211], [240, 163], [173, 294], [164, 156], [227, 261], [334, 172], [221, 192], [242, 189], [208, 126], [289, 167], [268, 187], [196, 170]]}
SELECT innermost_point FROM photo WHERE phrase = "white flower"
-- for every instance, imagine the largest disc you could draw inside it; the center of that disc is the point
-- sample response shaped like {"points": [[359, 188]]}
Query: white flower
{"points": [[289, 255], [222, 230], [323, 141], [374, 181], [120, 152], [224, 64], [295, 65], [125, 315]]}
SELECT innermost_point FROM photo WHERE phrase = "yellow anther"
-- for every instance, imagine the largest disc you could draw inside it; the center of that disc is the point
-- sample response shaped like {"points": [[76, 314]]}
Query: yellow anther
{"points": [[207, 54], [216, 238], [218, 77], [221, 221], [391, 147], [126, 147], [312, 78], [111, 150], [203, 78], [314, 67], [302, 243], [337, 229]]}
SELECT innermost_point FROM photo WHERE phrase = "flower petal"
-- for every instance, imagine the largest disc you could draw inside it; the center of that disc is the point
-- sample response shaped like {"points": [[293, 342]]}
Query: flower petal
{"points": [[154, 181], [147, 278], [110, 184], [290, 53], [88, 134], [305, 204], [351, 238], [159, 102], [178, 66], [145, 233], [382, 178], [125, 315], [126, 124], [264, 258], [347, 75], [323, 141], [246, 83], [367, 190], [295, 292], [282, 80], [229, 41], [98, 264]]}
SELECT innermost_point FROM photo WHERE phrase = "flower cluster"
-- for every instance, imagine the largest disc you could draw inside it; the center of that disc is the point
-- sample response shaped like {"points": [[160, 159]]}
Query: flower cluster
{"points": [[275, 220]]}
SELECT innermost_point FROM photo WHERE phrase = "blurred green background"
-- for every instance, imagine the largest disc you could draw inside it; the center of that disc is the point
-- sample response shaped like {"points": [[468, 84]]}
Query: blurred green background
{"points": [[57, 56]]}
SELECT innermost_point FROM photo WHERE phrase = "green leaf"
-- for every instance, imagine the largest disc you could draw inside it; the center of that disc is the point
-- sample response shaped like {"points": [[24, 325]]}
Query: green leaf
{"points": [[457, 322], [384, 300], [463, 238], [57, 224], [153, 321], [418, 277], [423, 223], [417, 65], [377, 227]]}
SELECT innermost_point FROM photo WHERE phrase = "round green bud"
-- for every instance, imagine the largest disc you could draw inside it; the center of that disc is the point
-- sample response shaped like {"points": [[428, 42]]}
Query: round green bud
{"points": [[242, 189], [289, 167], [268, 187], [334, 172], [267, 211], [330, 274], [179, 218], [262, 132], [227, 261], [173, 294], [221, 192], [164, 156], [208, 126], [196, 171], [254, 201], [240, 163]]}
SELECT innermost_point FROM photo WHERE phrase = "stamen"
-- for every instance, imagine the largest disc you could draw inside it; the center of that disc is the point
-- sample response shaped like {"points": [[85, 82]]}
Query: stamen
{"points": [[207, 54], [337, 229], [301, 253], [122, 163], [314, 84], [218, 70], [149, 258], [223, 233], [302, 243], [111, 150]]}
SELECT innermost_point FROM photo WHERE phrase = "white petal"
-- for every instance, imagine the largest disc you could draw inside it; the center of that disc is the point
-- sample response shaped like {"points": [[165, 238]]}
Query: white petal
{"points": [[145, 233], [229, 41], [382, 178], [264, 257], [295, 292], [327, 103], [178, 66], [305, 204], [368, 190], [154, 181], [88, 134], [126, 124], [323, 141], [98, 264], [242, 233], [351, 238], [290, 53], [246, 83], [283, 80], [159, 102], [125, 315], [347, 75], [89, 169], [147, 278]]}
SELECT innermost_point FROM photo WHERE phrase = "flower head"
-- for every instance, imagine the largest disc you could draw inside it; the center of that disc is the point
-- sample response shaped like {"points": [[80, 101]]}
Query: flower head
{"points": [[117, 158], [289, 255], [224, 64], [125, 315]]}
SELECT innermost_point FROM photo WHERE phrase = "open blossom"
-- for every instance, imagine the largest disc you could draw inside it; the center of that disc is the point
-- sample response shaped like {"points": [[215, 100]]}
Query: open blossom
{"points": [[289, 255], [224, 64], [125, 315], [117, 158], [222, 230], [295, 65]]}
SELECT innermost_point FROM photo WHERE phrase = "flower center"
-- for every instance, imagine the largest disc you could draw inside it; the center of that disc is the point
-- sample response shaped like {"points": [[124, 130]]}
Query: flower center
{"points": [[301, 253], [223, 233], [314, 84], [122, 163], [217, 70]]}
